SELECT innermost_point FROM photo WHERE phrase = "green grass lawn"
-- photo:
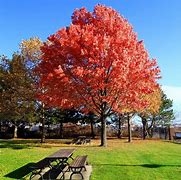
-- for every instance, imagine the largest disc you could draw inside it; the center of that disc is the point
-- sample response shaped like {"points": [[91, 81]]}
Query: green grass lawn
{"points": [[119, 161]]}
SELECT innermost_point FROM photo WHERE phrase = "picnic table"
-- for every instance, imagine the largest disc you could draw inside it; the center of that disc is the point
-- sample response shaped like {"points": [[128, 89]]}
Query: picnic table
{"points": [[81, 140], [62, 156], [55, 161]]}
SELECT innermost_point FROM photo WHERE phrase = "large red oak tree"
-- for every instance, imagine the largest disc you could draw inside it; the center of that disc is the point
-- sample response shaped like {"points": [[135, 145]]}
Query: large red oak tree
{"points": [[98, 64]]}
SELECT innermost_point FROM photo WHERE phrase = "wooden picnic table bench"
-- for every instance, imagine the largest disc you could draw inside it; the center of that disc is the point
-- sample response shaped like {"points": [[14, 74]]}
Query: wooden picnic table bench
{"points": [[77, 165], [38, 167], [81, 140], [62, 155], [56, 161]]}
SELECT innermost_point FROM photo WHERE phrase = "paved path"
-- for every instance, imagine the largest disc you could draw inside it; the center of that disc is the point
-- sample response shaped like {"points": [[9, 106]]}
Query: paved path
{"points": [[86, 174]]}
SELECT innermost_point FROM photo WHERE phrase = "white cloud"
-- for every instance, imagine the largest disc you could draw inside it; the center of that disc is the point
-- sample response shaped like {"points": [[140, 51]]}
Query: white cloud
{"points": [[173, 93]]}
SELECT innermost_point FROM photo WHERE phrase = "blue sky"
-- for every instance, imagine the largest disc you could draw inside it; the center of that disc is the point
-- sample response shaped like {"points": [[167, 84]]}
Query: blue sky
{"points": [[157, 22]]}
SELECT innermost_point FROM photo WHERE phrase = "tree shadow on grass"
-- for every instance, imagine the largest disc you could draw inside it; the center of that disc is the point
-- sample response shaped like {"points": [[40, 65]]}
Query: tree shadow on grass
{"points": [[21, 172], [141, 165], [25, 171], [27, 144], [22, 144], [13, 144]]}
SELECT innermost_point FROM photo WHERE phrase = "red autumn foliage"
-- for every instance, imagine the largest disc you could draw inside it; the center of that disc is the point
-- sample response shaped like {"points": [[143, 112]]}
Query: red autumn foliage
{"points": [[97, 63]]}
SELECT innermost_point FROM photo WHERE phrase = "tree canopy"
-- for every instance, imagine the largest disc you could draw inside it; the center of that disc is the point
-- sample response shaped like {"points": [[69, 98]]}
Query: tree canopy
{"points": [[165, 114], [97, 63], [16, 89]]}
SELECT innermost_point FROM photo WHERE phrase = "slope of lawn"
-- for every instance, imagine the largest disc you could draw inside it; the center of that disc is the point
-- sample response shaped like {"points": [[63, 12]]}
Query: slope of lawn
{"points": [[148, 159]]}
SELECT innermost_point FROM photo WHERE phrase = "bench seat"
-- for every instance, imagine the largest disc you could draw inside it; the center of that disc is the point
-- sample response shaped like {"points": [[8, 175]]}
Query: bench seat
{"points": [[38, 167], [77, 165], [41, 164]]}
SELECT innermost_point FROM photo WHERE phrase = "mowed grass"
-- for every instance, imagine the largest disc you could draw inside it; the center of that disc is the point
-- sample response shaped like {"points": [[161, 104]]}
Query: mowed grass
{"points": [[150, 159]]}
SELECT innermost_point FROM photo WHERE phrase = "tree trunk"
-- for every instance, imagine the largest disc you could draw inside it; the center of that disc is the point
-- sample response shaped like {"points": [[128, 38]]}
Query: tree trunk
{"points": [[160, 132], [15, 131], [119, 128], [169, 133], [49, 130], [43, 125], [0, 127], [92, 130], [166, 132], [103, 132], [150, 129], [144, 127], [61, 130], [43, 131], [129, 129]]}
